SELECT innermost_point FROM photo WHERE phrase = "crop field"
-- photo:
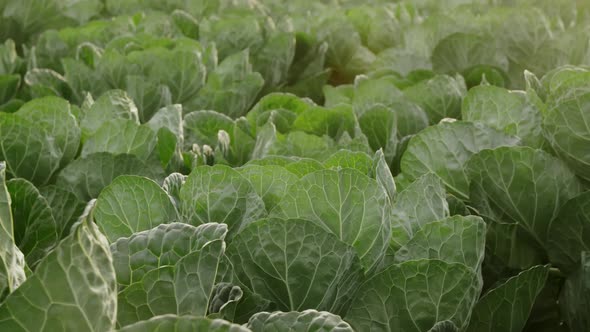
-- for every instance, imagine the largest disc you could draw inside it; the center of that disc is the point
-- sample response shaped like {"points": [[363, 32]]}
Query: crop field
{"points": [[305, 166]]}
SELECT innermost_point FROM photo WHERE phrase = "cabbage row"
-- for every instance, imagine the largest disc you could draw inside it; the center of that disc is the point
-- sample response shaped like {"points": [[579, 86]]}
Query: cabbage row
{"points": [[337, 166]]}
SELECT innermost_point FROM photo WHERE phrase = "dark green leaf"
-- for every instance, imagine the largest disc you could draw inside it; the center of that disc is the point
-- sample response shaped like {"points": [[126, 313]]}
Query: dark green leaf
{"points": [[414, 296], [507, 307], [455, 239], [35, 230], [295, 264], [86, 177], [66, 208], [444, 149], [521, 185], [569, 233], [575, 296]]}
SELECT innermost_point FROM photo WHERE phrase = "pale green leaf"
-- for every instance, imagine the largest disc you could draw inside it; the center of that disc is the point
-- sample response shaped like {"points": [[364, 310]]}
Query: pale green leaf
{"points": [[132, 204], [76, 280], [220, 194], [304, 321], [347, 203]]}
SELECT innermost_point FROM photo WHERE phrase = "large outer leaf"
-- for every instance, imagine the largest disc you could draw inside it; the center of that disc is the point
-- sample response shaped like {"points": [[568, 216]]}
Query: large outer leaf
{"points": [[169, 117], [570, 233], [521, 185], [295, 165], [220, 194], [455, 239], [411, 119], [440, 97], [183, 288], [36, 16], [76, 280], [231, 89], [270, 182], [160, 246], [566, 121], [509, 247], [347, 203], [148, 95], [35, 230], [12, 262], [422, 202], [66, 207], [168, 150], [201, 127], [173, 323], [369, 93], [507, 307], [195, 278], [278, 103], [379, 124], [414, 296], [232, 33], [170, 269], [342, 38], [305, 321], [444, 149], [545, 315], [28, 149], [350, 159], [528, 45], [295, 264], [131, 204], [113, 104], [460, 51], [320, 121], [86, 177], [296, 143], [184, 79], [81, 79], [374, 103], [274, 59], [55, 116], [508, 111], [121, 136], [153, 295]]}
